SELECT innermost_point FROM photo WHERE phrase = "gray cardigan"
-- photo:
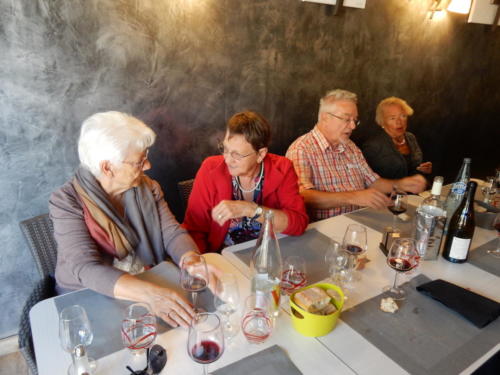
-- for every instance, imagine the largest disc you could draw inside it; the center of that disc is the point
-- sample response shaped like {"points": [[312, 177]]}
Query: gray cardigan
{"points": [[80, 263], [384, 158]]}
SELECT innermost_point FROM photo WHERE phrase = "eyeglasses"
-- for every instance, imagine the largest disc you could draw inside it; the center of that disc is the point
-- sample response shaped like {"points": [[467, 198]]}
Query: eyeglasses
{"points": [[138, 164], [346, 120], [235, 155]]}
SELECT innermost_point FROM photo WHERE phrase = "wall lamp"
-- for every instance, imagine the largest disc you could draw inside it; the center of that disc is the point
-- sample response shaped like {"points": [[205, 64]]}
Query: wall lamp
{"points": [[455, 6]]}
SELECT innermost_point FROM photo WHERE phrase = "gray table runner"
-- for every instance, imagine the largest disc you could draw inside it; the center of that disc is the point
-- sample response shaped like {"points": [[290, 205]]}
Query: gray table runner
{"points": [[311, 246], [106, 314], [270, 361], [380, 219], [423, 336], [481, 259]]}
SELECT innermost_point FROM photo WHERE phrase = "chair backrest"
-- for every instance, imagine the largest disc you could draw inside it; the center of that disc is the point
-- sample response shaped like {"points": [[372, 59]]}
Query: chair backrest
{"points": [[45, 288], [185, 188], [39, 234]]}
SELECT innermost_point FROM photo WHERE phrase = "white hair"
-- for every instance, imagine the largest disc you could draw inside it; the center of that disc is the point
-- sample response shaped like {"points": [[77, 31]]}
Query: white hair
{"points": [[327, 102], [111, 136]]}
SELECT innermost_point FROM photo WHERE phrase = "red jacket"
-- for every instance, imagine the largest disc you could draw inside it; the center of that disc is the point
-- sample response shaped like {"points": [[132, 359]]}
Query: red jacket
{"points": [[213, 184]]}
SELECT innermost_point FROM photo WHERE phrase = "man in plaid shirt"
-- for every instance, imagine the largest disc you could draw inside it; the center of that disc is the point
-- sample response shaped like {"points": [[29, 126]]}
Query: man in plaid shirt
{"points": [[334, 177]]}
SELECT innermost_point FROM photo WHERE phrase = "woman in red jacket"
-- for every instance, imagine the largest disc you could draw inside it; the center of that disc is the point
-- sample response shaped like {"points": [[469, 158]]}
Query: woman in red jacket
{"points": [[231, 191]]}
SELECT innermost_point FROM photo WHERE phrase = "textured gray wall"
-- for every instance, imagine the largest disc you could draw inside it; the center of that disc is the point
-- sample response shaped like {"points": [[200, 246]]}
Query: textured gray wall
{"points": [[184, 66]]}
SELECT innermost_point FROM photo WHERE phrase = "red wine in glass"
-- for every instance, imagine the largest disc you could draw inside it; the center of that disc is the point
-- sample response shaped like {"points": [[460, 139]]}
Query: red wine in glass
{"points": [[497, 227], [397, 210], [354, 249], [400, 265], [206, 352]]}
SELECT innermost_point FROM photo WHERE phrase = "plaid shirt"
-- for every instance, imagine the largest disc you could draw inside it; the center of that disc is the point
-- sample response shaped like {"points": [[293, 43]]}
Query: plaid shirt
{"points": [[325, 168]]}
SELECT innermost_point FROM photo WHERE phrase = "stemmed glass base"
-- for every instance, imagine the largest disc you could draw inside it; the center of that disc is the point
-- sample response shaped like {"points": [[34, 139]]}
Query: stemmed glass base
{"points": [[394, 293], [495, 253], [92, 367]]}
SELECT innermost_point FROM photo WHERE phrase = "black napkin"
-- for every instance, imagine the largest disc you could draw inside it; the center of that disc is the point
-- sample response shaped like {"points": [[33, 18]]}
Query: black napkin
{"points": [[477, 309], [270, 361]]}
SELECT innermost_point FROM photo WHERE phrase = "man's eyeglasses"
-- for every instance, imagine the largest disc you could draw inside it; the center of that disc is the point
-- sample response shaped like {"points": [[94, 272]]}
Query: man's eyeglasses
{"points": [[138, 164], [235, 155], [346, 120]]}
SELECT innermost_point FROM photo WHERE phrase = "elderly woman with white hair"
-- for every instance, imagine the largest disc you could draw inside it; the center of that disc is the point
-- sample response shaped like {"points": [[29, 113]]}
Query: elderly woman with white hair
{"points": [[111, 220], [394, 152]]}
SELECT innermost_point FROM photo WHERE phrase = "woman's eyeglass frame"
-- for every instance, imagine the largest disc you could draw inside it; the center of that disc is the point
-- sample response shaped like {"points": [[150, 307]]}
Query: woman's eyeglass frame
{"points": [[235, 155], [138, 164]]}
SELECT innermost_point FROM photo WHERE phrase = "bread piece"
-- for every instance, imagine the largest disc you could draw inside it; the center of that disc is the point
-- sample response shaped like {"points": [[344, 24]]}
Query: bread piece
{"points": [[333, 294], [328, 309], [388, 305], [312, 300]]}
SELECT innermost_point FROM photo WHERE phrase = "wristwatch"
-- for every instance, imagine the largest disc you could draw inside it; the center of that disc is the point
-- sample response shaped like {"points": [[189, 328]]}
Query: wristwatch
{"points": [[258, 211]]}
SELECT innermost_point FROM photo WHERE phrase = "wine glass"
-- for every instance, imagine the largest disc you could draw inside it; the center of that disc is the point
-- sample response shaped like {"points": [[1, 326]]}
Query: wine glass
{"points": [[402, 257], [226, 300], [257, 322], [138, 328], [496, 225], [206, 339], [75, 329], [398, 205], [355, 243], [340, 265], [194, 276], [294, 274]]}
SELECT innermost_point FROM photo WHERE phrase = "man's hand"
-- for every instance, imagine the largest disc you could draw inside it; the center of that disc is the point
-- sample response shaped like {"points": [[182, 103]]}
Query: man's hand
{"points": [[370, 198], [414, 184], [425, 167], [227, 210]]}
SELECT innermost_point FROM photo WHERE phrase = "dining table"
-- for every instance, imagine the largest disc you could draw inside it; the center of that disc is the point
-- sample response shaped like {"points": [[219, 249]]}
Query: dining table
{"points": [[422, 337]]}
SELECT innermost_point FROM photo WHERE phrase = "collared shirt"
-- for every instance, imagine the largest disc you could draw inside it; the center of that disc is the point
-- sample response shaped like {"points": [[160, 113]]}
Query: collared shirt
{"points": [[322, 167]]}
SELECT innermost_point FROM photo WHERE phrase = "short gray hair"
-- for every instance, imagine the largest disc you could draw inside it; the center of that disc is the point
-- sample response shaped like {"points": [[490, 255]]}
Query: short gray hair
{"points": [[111, 136], [327, 102]]}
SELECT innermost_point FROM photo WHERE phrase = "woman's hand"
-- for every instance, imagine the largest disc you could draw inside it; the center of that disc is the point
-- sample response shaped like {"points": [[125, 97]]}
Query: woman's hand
{"points": [[166, 303], [425, 167], [171, 307], [227, 210]]}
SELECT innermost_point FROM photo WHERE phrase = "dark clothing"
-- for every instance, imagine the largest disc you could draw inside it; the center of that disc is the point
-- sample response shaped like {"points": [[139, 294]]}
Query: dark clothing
{"points": [[384, 158]]}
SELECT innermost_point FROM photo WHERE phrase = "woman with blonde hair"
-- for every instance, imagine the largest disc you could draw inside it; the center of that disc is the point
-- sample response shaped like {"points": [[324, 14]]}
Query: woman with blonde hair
{"points": [[394, 153]]}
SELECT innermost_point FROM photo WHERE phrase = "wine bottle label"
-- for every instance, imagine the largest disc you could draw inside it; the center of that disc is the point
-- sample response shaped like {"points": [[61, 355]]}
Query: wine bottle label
{"points": [[459, 248]]}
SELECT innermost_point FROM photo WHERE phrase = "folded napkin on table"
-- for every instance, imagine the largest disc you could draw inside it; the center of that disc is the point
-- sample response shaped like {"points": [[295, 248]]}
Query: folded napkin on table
{"points": [[271, 361], [479, 310]]}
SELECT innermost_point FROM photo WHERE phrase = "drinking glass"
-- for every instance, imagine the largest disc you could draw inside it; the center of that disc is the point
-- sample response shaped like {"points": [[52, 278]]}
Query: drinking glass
{"points": [[340, 265], [402, 257], [226, 300], [496, 226], [205, 339], [194, 276], [75, 329], [489, 189], [399, 204], [257, 322], [138, 328], [294, 274], [355, 244]]}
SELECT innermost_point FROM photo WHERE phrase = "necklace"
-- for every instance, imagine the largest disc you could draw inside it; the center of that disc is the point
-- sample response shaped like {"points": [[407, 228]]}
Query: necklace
{"points": [[399, 143], [256, 183]]}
